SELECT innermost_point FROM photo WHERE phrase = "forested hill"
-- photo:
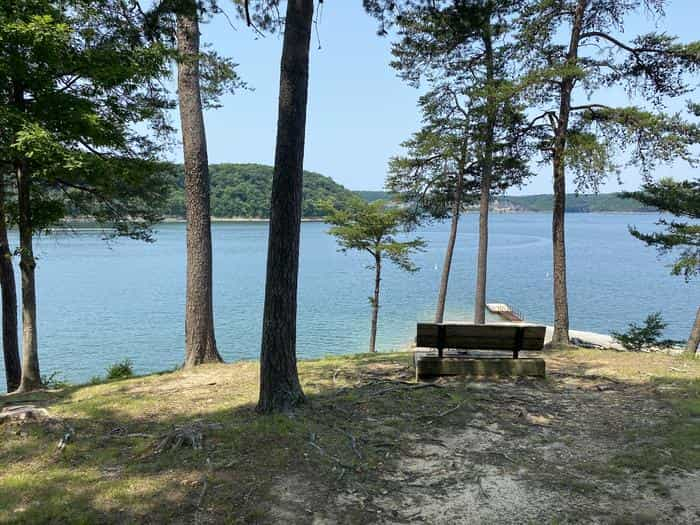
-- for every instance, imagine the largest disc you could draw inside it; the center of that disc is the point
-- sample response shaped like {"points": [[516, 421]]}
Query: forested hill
{"points": [[243, 190], [602, 202]]}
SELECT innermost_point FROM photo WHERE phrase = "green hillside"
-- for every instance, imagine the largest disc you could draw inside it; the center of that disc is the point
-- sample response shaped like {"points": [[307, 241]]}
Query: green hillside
{"points": [[602, 202], [243, 190], [373, 195]]}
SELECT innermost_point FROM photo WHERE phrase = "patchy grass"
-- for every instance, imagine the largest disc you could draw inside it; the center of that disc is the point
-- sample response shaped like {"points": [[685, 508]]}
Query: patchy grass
{"points": [[609, 435]]}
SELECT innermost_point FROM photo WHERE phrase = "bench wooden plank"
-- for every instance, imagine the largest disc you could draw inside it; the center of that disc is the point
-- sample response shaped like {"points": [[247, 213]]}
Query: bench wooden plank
{"points": [[480, 337]]}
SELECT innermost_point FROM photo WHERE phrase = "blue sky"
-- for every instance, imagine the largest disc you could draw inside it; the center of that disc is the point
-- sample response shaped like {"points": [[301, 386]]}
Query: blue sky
{"points": [[359, 111]]}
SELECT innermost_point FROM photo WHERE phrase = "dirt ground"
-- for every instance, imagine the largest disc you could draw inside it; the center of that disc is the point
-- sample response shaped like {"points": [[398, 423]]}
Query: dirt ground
{"points": [[608, 437], [522, 451]]}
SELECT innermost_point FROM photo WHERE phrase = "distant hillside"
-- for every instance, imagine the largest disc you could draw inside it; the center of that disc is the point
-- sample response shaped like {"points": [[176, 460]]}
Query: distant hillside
{"points": [[373, 195], [602, 202], [243, 190]]}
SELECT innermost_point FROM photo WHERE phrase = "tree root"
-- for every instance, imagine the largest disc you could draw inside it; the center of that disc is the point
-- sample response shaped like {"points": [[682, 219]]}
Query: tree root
{"points": [[191, 435]]}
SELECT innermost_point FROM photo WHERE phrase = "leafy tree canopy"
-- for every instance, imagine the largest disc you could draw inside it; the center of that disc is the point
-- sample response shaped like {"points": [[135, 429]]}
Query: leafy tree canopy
{"points": [[652, 68], [473, 121], [243, 190], [80, 83], [374, 228], [681, 199]]}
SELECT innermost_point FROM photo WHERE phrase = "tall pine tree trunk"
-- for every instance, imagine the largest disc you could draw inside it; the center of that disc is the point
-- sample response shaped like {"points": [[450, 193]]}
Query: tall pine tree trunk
{"points": [[280, 389], [447, 264], [482, 256], [200, 343], [31, 376], [375, 302], [485, 186], [10, 344], [560, 336], [694, 339]]}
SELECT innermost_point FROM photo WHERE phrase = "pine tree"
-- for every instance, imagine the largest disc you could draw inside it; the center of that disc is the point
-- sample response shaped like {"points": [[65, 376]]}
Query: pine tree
{"points": [[465, 51], [280, 389], [373, 228], [681, 199], [568, 83]]}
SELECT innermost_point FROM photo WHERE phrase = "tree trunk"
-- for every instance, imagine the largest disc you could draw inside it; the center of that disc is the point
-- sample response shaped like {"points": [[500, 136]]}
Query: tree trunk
{"points": [[200, 343], [31, 376], [447, 264], [375, 302], [560, 336], [485, 187], [482, 256], [694, 339], [10, 344], [280, 389]]}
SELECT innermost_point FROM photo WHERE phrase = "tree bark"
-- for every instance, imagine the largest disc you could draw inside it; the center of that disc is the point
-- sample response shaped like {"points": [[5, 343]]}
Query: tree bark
{"points": [[280, 389], [10, 344], [485, 188], [560, 336], [694, 339], [375, 302], [31, 376], [200, 343], [447, 264], [482, 256]]}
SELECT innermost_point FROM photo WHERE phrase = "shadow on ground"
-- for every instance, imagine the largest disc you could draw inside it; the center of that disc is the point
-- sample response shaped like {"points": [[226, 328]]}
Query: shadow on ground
{"points": [[608, 437]]}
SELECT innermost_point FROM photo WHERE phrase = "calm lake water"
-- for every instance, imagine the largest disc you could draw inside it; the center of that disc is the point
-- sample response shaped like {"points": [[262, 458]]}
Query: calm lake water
{"points": [[103, 302]]}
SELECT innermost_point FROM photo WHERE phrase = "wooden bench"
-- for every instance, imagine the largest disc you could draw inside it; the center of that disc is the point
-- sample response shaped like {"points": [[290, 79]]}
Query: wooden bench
{"points": [[488, 337]]}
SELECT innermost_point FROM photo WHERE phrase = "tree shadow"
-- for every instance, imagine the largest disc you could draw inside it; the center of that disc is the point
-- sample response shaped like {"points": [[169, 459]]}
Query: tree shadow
{"points": [[369, 444]]}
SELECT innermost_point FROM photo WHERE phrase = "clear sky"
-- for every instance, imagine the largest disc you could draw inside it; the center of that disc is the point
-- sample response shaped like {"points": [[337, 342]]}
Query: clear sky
{"points": [[359, 111]]}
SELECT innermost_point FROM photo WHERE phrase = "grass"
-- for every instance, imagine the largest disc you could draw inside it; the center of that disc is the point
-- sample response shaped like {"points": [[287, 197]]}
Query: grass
{"points": [[363, 418]]}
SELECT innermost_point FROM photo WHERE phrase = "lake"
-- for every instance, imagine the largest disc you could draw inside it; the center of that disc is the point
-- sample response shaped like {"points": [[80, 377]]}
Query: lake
{"points": [[100, 302]]}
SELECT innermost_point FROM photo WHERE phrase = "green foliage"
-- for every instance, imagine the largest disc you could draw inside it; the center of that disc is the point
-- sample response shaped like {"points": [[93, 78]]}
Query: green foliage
{"points": [[120, 370], [54, 381], [82, 89], [243, 190], [681, 199], [374, 195], [473, 124], [645, 336], [599, 140], [373, 227], [579, 203], [217, 74]]}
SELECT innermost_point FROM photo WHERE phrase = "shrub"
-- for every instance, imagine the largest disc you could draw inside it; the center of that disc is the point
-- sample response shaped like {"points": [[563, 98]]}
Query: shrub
{"points": [[54, 381], [648, 335], [121, 370]]}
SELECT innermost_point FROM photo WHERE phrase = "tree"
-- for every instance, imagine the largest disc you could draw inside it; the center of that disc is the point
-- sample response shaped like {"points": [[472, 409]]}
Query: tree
{"points": [[464, 49], [372, 228], [646, 336], [10, 344], [682, 199], [80, 76], [431, 177], [200, 342], [203, 76], [586, 137], [280, 389]]}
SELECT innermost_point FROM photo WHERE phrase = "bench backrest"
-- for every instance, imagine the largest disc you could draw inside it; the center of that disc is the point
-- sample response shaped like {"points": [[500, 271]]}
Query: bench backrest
{"points": [[480, 336]]}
